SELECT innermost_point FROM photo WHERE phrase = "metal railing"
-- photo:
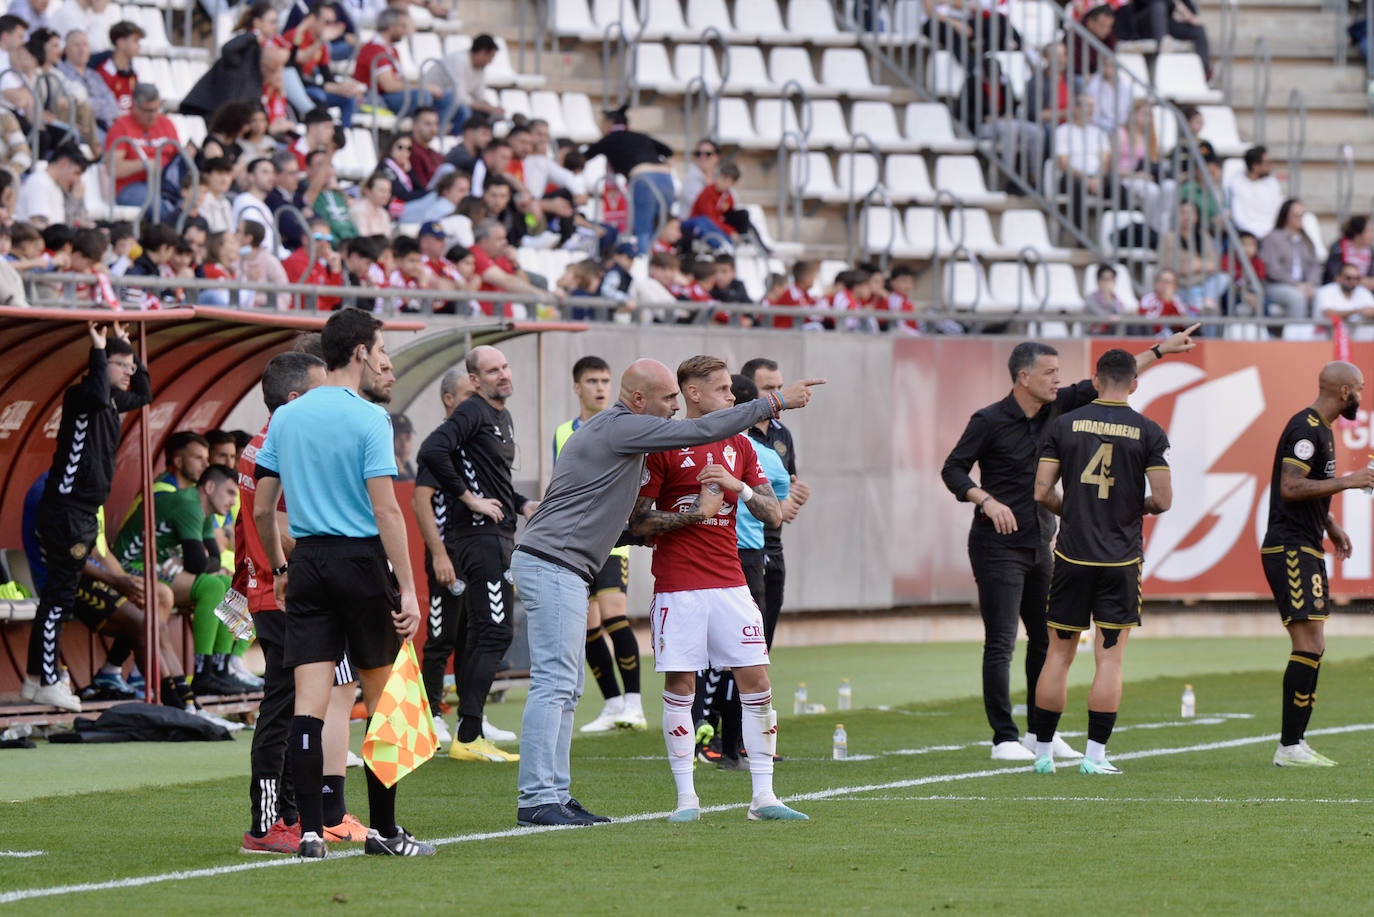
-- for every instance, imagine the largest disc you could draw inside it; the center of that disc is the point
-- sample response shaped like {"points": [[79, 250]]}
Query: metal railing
{"points": [[1262, 73], [789, 194], [42, 88], [852, 204], [885, 257], [700, 118], [1297, 140], [374, 96], [945, 279], [542, 33], [1226, 49], [1345, 181], [149, 199]]}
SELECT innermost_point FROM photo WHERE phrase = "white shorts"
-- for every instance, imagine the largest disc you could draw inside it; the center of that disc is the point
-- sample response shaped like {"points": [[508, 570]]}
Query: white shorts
{"points": [[706, 628]]}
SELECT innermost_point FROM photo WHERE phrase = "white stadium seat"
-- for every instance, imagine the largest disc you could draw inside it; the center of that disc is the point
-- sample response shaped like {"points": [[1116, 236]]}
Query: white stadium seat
{"points": [[962, 176], [579, 116], [1179, 76], [907, 179], [929, 127], [811, 176], [710, 14], [1027, 227], [1014, 288], [772, 117], [865, 176], [1063, 288], [664, 20], [927, 229], [546, 105], [795, 64], [884, 233], [516, 102], [654, 71], [1036, 20], [605, 12], [965, 289], [748, 72], [879, 121], [944, 75], [827, 125], [1220, 129], [759, 20], [846, 69], [815, 19], [572, 19], [735, 127], [691, 61], [978, 236]]}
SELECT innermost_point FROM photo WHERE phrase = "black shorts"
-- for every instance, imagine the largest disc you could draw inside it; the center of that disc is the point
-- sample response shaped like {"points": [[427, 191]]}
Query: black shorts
{"points": [[96, 602], [340, 594], [614, 576], [1082, 594], [1297, 578]]}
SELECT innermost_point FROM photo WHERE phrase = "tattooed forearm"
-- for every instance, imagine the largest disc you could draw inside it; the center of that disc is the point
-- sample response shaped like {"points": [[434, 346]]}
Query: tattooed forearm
{"points": [[646, 521], [765, 506]]}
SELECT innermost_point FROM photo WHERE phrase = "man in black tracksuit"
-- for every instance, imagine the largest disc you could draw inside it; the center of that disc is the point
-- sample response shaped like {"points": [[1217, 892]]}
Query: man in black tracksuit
{"points": [[78, 485], [470, 456]]}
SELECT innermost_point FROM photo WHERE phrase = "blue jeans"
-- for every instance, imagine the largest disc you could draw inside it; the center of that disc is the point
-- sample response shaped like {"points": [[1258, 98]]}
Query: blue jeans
{"points": [[704, 228], [555, 601], [646, 205], [395, 102], [344, 104], [136, 193]]}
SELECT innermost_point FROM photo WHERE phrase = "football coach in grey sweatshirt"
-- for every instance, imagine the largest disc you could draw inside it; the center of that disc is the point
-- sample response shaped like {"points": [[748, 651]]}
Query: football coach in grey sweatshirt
{"points": [[595, 482]]}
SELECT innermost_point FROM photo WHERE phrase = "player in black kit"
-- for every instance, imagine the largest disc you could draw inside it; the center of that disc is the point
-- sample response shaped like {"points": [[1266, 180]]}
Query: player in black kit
{"points": [[1105, 452], [470, 456], [78, 485], [1300, 490]]}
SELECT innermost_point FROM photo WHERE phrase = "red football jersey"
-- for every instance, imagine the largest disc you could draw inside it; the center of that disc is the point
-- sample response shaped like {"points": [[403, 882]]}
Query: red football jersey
{"points": [[252, 571], [792, 296], [704, 555]]}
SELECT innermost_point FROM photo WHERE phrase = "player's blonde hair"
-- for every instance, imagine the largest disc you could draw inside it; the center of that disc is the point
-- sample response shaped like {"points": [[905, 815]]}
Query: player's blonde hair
{"points": [[698, 367]]}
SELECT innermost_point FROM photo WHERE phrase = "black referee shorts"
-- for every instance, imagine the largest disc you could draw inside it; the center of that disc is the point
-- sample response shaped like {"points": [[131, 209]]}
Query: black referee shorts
{"points": [[95, 603], [340, 595], [1085, 594], [1297, 578], [614, 576]]}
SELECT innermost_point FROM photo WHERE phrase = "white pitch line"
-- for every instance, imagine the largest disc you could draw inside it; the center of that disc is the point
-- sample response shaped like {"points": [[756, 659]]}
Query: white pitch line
{"points": [[21, 854], [140, 881], [1144, 799]]}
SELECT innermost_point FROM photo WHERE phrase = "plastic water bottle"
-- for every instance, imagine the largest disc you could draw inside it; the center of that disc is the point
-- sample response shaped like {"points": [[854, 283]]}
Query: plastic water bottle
{"points": [[713, 488], [233, 611], [14, 733], [1189, 703], [456, 587], [799, 700], [840, 748], [846, 695]]}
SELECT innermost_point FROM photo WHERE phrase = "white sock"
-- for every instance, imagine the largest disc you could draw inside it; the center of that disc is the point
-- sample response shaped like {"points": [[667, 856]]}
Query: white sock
{"points": [[759, 728], [632, 703], [1044, 748], [108, 669], [615, 705], [680, 738], [1097, 752]]}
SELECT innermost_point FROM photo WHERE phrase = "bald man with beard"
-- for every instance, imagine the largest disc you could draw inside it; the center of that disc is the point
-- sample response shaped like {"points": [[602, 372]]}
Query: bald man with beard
{"points": [[1300, 490], [582, 516]]}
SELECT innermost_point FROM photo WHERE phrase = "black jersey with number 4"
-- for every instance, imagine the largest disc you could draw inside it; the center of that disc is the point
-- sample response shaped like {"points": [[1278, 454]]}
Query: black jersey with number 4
{"points": [[1309, 446], [1103, 451]]}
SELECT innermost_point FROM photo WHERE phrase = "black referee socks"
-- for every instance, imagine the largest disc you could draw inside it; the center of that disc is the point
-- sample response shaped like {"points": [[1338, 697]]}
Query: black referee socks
{"points": [[381, 804], [1046, 723], [1299, 694], [622, 637], [599, 660], [307, 770]]}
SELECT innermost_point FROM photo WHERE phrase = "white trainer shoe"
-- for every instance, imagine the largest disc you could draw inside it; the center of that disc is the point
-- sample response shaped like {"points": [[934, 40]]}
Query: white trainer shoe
{"points": [[239, 670], [1063, 749], [353, 760], [56, 694], [1299, 756], [441, 731], [496, 733], [1011, 750], [217, 720], [631, 719], [604, 722]]}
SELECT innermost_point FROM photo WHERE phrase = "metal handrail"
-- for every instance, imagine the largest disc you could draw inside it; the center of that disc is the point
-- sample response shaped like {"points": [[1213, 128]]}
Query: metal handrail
{"points": [[40, 102], [542, 34], [945, 197], [1029, 259], [642, 10], [1297, 140], [429, 65], [155, 189], [1263, 71], [1341, 21], [972, 259], [147, 180], [1227, 48], [614, 36], [37, 127], [698, 87], [851, 205], [789, 194], [375, 98], [1368, 58], [881, 192], [1345, 181]]}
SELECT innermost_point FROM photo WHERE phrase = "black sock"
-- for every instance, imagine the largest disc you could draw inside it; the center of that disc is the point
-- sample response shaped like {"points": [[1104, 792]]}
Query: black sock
{"points": [[1299, 682], [120, 651], [731, 716], [1046, 723], [601, 664], [307, 769], [221, 663], [626, 651], [381, 805], [1312, 705], [469, 729], [1100, 725], [202, 664], [332, 795], [176, 692]]}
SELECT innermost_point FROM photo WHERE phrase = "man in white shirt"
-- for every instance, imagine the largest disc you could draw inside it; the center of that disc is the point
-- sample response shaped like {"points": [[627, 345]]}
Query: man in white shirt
{"points": [[1255, 196], [94, 17], [468, 69], [37, 13], [49, 195], [1081, 151], [1346, 297], [251, 204], [13, 31]]}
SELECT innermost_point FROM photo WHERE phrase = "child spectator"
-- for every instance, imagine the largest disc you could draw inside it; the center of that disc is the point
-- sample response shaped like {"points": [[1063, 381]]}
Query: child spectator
{"points": [[774, 286], [27, 250], [87, 257], [901, 283], [221, 253], [726, 287], [215, 207], [1239, 293], [669, 236], [618, 278], [122, 244], [257, 265], [581, 279], [1103, 300], [1164, 302], [410, 273], [707, 221], [797, 293]]}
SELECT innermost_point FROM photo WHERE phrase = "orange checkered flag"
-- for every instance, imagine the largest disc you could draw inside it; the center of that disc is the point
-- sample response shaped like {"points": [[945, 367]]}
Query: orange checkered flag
{"points": [[400, 736]]}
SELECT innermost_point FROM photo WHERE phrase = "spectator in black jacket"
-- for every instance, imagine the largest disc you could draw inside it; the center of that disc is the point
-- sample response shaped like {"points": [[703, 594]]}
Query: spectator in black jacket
{"points": [[78, 486]]}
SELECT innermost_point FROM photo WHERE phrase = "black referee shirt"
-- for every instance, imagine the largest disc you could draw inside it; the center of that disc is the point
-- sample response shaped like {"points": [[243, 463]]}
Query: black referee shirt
{"points": [[1005, 445], [779, 439], [473, 451]]}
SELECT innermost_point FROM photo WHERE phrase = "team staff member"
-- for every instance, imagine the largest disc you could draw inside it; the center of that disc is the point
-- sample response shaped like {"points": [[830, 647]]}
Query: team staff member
{"points": [[431, 505], [606, 606], [1008, 544], [78, 485], [1300, 490], [470, 454], [580, 519], [331, 453], [1104, 453]]}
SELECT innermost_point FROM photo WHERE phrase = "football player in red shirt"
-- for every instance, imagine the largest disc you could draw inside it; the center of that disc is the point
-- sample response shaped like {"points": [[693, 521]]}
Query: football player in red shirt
{"points": [[703, 614]]}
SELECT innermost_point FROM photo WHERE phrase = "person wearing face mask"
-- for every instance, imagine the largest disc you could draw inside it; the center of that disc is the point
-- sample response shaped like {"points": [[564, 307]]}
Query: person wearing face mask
{"points": [[257, 265]]}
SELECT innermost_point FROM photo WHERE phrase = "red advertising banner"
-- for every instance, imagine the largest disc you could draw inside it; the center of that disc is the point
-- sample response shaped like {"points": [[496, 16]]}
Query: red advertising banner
{"points": [[1223, 406]]}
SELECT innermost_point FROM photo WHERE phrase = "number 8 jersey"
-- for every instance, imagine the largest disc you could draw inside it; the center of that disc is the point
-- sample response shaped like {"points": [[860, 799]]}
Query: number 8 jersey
{"points": [[1103, 451]]}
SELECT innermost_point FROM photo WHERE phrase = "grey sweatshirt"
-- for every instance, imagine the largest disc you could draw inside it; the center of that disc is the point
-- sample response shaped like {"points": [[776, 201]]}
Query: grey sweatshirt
{"points": [[600, 471]]}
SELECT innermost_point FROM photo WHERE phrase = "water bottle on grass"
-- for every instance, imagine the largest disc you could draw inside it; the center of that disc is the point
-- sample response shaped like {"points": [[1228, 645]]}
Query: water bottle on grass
{"points": [[840, 747]]}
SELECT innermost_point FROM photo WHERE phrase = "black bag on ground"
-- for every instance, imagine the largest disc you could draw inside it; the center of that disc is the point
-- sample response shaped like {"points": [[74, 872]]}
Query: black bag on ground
{"points": [[139, 722]]}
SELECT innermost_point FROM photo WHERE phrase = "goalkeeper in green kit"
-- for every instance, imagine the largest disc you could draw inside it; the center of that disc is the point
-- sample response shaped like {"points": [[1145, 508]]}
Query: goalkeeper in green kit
{"points": [[188, 561]]}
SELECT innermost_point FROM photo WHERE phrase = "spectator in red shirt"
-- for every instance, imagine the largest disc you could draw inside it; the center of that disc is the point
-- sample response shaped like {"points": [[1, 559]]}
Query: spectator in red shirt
{"points": [[797, 294], [424, 159], [325, 270], [144, 126], [669, 235], [446, 273], [118, 70], [309, 82], [1163, 301], [495, 263], [707, 219], [392, 26]]}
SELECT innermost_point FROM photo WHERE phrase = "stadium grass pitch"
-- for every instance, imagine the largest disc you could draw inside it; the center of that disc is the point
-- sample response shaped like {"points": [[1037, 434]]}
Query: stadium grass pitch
{"points": [[919, 818]]}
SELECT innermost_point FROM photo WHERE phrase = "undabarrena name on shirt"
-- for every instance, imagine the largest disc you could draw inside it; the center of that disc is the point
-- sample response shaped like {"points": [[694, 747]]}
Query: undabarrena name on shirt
{"points": [[1102, 428]]}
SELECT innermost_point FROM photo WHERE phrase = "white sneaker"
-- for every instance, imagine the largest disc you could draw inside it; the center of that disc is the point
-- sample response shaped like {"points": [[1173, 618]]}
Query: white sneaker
{"points": [[441, 731], [605, 721], [496, 733], [217, 720], [1299, 756], [240, 671], [56, 694], [29, 686], [353, 760], [631, 719], [1063, 749], [1011, 750]]}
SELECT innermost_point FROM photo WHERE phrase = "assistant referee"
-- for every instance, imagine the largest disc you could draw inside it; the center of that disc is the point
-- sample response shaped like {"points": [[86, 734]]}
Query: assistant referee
{"points": [[349, 584], [1008, 544]]}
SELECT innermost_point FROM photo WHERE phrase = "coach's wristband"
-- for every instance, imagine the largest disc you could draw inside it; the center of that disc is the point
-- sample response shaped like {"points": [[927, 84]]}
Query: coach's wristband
{"points": [[746, 493], [278, 571], [1159, 354]]}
